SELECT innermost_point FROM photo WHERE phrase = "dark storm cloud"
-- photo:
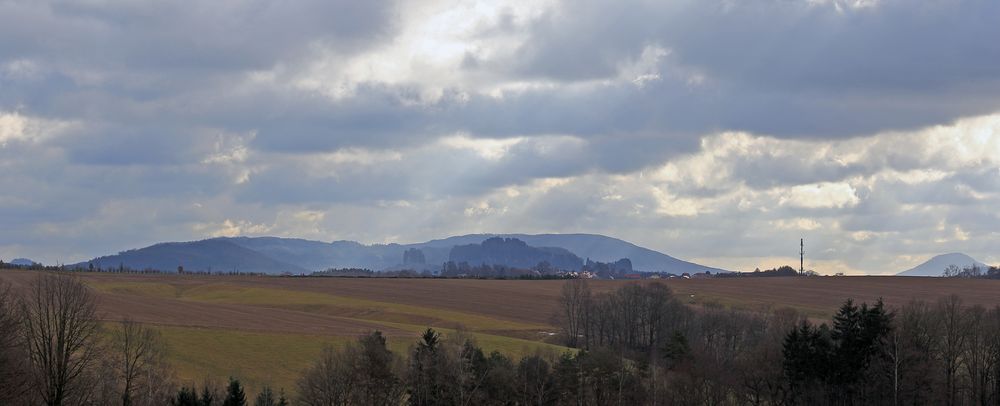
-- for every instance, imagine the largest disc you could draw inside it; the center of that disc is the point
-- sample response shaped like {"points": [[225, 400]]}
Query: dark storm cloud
{"points": [[911, 47], [164, 37], [789, 68], [810, 71]]}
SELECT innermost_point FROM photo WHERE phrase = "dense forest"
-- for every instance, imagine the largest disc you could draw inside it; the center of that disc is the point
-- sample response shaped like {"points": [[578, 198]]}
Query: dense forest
{"points": [[940, 353], [639, 344]]}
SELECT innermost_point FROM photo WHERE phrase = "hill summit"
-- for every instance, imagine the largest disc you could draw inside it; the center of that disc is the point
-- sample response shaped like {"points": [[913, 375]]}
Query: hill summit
{"points": [[22, 262], [515, 253], [936, 265]]}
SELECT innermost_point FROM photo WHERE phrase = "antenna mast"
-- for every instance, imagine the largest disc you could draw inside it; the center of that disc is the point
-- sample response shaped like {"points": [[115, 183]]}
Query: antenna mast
{"points": [[802, 255]]}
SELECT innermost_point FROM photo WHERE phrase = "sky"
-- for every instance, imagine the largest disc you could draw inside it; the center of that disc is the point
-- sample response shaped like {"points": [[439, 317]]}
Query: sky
{"points": [[716, 131]]}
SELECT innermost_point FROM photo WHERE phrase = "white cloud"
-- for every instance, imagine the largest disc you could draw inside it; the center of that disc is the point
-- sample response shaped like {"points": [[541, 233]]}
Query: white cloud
{"points": [[436, 40], [491, 149], [15, 127], [820, 195], [483, 208], [796, 224], [671, 205], [231, 228]]}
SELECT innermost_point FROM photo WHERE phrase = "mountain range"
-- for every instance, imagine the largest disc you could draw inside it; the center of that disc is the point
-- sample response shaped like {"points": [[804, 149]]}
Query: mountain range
{"points": [[278, 255], [936, 266]]}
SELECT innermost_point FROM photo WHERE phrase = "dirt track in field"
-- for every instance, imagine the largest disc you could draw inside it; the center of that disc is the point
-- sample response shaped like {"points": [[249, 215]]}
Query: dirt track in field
{"points": [[520, 301]]}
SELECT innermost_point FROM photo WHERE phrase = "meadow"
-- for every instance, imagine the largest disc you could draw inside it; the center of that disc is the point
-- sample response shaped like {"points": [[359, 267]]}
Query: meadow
{"points": [[266, 330]]}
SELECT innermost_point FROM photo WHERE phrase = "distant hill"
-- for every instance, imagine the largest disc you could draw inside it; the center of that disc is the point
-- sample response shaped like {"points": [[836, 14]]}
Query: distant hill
{"points": [[214, 255], [514, 253], [276, 255], [21, 262], [936, 266], [593, 246], [318, 255]]}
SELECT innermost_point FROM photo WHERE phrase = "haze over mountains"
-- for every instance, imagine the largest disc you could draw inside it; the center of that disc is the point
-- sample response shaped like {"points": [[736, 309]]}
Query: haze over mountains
{"points": [[278, 255], [936, 265]]}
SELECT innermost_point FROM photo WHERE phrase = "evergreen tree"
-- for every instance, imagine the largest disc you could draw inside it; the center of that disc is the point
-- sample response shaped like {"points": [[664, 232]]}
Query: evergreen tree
{"points": [[423, 370], [806, 349], [487, 379], [282, 400], [499, 379], [838, 364], [185, 397], [848, 335], [429, 340], [265, 398], [207, 398], [676, 350], [860, 336], [375, 381], [234, 394], [438, 374]]}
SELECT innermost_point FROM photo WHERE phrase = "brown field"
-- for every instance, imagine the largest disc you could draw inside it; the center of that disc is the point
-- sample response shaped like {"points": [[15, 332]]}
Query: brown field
{"points": [[267, 329], [821, 296]]}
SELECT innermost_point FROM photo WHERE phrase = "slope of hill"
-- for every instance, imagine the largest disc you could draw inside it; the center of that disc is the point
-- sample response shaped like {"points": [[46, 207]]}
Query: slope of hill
{"points": [[207, 255], [594, 246], [318, 255], [276, 255], [514, 253], [936, 266], [22, 262]]}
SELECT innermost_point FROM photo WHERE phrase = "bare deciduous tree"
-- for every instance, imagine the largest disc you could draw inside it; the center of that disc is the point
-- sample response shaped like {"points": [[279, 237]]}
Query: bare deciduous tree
{"points": [[362, 373], [953, 337], [60, 331], [978, 354], [12, 356], [137, 356], [574, 301]]}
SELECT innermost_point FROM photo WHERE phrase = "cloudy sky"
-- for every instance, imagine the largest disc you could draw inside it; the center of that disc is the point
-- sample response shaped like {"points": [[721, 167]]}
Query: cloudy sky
{"points": [[717, 131]]}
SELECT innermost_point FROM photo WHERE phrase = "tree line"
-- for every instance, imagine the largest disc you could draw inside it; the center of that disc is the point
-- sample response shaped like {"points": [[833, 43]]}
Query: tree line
{"points": [[973, 271], [940, 353], [783, 270]]}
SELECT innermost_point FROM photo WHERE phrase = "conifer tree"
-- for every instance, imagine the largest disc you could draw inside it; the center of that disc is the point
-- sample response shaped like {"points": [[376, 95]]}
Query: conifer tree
{"points": [[282, 400], [207, 398], [375, 380], [185, 397], [234, 394], [265, 398], [423, 370]]}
